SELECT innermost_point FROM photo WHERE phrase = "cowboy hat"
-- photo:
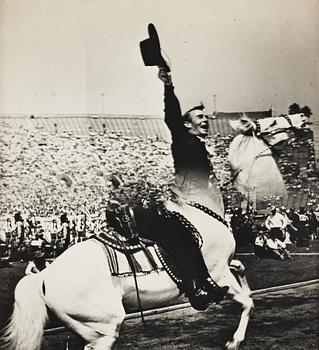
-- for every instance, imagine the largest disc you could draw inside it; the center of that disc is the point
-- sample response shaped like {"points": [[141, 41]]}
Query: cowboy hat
{"points": [[151, 49]]}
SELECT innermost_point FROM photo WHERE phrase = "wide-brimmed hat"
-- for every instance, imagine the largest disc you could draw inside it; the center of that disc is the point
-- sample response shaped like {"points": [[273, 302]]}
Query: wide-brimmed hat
{"points": [[151, 49]]}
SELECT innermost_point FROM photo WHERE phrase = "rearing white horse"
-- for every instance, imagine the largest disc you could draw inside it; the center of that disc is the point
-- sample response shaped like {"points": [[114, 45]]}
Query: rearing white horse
{"points": [[79, 288]]}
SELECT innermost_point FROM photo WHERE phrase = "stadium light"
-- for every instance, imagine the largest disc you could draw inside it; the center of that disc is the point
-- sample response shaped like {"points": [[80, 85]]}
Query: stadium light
{"points": [[53, 102], [214, 97], [102, 95]]}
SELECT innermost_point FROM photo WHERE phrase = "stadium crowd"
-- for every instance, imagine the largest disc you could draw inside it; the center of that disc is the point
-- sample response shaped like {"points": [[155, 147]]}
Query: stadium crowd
{"points": [[23, 237], [55, 185]]}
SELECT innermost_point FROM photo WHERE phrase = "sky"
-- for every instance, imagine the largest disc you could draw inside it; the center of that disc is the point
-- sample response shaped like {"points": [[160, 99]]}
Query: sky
{"points": [[82, 56]]}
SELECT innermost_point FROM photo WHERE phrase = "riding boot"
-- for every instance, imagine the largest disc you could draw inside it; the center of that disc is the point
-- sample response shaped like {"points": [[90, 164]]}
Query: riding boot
{"points": [[201, 292], [215, 292], [198, 297]]}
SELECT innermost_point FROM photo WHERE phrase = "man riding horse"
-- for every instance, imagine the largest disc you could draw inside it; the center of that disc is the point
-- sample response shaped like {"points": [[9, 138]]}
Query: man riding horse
{"points": [[192, 175], [192, 187]]}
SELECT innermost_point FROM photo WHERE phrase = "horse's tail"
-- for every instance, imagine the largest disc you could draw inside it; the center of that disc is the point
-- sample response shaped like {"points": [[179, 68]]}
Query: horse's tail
{"points": [[26, 325]]}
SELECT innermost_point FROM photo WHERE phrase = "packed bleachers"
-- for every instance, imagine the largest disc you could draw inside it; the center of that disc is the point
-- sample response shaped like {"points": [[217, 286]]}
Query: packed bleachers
{"points": [[76, 166], [44, 172], [47, 153]]}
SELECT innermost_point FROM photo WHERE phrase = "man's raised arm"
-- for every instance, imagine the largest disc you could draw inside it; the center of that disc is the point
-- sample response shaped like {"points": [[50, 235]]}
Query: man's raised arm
{"points": [[173, 113]]}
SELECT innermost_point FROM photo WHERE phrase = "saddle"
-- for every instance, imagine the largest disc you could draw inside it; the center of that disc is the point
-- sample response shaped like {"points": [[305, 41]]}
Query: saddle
{"points": [[169, 242], [135, 234], [126, 258]]}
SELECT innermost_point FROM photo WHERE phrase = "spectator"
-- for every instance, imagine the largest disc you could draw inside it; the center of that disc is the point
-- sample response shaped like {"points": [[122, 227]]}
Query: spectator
{"points": [[289, 226], [293, 224], [242, 227], [303, 229], [37, 264], [275, 223], [313, 224], [260, 245], [247, 230]]}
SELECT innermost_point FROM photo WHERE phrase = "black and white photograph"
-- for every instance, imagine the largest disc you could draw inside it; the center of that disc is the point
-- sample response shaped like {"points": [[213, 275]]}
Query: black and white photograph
{"points": [[159, 174]]}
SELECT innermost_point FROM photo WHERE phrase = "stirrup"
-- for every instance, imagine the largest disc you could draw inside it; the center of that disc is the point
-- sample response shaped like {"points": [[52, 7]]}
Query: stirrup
{"points": [[216, 292], [199, 299]]}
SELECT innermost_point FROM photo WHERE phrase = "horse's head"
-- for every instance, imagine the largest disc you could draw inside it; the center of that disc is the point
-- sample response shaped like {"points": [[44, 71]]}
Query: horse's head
{"points": [[243, 124]]}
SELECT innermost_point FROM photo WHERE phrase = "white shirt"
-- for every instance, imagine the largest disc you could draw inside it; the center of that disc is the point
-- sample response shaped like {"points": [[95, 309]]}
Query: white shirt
{"points": [[276, 221]]}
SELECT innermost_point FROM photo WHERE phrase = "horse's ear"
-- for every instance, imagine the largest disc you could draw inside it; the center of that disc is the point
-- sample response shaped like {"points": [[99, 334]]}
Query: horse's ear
{"points": [[244, 115]]}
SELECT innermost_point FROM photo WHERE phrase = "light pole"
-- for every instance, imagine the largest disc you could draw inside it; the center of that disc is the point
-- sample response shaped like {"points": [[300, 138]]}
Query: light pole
{"points": [[53, 102], [102, 95], [214, 97], [36, 101]]}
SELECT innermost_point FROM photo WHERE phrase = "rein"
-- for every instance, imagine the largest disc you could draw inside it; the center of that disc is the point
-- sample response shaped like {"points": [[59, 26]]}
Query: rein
{"points": [[130, 261]]}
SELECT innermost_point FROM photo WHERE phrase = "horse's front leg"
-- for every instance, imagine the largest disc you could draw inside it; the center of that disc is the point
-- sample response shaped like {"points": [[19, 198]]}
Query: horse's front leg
{"points": [[242, 296]]}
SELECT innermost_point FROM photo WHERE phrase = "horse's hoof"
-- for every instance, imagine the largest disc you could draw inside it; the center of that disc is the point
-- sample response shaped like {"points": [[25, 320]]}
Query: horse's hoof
{"points": [[231, 345]]}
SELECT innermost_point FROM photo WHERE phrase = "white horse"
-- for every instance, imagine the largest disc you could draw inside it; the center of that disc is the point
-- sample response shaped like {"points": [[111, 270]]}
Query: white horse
{"points": [[79, 288]]}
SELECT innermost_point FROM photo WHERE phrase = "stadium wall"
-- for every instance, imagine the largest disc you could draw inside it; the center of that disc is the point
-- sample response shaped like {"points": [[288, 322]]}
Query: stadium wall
{"points": [[137, 125]]}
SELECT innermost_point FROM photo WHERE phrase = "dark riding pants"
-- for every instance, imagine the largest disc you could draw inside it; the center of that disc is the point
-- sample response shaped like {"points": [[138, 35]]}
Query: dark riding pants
{"points": [[175, 239]]}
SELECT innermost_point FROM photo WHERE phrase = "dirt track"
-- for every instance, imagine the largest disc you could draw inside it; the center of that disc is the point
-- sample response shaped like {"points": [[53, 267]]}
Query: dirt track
{"points": [[282, 320]]}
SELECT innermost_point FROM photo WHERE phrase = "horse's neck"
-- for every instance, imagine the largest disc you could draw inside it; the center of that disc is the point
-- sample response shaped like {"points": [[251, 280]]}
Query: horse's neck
{"points": [[218, 242], [196, 217]]}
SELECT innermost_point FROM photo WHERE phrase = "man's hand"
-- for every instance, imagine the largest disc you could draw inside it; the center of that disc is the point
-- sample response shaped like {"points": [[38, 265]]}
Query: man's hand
{"points": [[165, 76]]}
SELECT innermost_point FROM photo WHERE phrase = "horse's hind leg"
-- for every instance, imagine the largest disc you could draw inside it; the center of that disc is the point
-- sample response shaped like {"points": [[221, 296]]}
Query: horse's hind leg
{"points": [[105, 339], [240, 294], [84, 295], [98, 325], [103, 314]]}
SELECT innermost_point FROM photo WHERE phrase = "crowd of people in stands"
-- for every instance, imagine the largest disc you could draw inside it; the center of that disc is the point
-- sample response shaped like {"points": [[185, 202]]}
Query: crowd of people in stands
{"points": [[23, 238], [55, 186], [45, 173]]}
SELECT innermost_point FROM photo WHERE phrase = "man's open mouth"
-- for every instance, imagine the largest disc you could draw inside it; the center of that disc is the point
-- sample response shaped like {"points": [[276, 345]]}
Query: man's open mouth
{"points": [[204, 126]]}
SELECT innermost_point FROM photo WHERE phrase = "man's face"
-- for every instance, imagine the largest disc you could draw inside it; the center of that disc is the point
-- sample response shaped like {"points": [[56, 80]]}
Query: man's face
{"points": [[198, 123]]}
